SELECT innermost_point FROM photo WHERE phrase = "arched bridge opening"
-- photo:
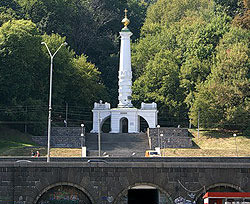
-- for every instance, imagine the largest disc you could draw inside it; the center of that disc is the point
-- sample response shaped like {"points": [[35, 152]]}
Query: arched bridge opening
{"points": [[221, 187], [63, 194], [143, 193]]}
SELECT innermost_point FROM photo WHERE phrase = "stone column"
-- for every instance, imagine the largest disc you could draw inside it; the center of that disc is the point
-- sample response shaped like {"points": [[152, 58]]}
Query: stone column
{"points": [[125, 73]]}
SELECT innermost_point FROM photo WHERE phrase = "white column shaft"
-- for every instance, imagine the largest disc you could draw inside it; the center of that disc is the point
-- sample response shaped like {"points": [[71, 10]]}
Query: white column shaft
{"points": [[125, 72]]}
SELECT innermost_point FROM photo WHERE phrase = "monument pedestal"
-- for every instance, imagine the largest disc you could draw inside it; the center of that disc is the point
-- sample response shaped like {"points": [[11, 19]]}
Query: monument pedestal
{"points": [[124, 119]]}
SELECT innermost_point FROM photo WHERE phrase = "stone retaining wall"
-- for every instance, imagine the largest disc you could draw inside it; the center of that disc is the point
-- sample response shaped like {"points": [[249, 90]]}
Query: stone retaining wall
{"points": [[23, 182], [67, 137], [169, 137]]}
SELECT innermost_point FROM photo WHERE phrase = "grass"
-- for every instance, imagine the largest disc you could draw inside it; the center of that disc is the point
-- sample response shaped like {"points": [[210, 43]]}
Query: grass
{"points": [[16, 143], [210, 143], [213, 143], [12, 140]]}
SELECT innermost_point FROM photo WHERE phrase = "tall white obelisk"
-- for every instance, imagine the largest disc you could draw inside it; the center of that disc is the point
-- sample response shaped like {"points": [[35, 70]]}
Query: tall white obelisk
{"points": [[125, 73], [125, 118]]}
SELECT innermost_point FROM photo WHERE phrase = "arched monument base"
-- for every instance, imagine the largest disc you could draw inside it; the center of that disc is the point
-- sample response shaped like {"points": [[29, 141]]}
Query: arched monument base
{"points": [[101, 112]]}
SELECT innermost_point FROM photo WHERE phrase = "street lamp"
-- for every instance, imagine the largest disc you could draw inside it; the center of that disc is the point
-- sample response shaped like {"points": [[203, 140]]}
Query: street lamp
{"points": [[50, 93], [161, 139], [99, 134], [158, 127], [82, 135], [235, 144]]}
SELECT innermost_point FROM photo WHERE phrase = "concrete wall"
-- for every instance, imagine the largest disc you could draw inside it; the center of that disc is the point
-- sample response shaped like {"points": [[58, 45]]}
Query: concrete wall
{"points": [[24, 182]]}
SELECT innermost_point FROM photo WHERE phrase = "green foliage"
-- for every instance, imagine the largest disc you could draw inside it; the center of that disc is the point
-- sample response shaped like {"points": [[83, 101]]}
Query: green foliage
{"points": [[20, 68], [165, 13], [91, 27], [160, 84], [243, 21], [24, 69], [189, 56], [232, 7], [191, 37], [198, 39], [6, 14], [85, 80], [87, 23], [224, 98]]}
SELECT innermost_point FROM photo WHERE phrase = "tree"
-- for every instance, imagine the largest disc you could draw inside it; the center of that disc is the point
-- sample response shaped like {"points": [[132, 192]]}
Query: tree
{"points": [[21, 69], [165, 12], [224, 98], [6, 14], [243, 19], [86, 84], [232, 7], [21, 62], [191, 37], [24, 72], [198, 39], [160, 84]]}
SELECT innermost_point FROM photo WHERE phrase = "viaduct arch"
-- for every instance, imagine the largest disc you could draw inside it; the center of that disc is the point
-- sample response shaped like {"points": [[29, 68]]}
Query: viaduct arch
{"points": [[64, 190], [110, 180]]}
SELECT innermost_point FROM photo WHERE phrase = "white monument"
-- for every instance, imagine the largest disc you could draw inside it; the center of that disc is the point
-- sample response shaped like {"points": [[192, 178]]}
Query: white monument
{"points": [[124, 118]]}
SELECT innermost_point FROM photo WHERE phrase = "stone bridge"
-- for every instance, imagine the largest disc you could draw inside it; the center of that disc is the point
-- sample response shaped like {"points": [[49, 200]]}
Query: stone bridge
{"points": [[119, 180]]}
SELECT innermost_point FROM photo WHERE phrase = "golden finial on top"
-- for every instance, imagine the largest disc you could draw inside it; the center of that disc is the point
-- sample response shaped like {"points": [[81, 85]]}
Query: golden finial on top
{"points": [[125, 21]]}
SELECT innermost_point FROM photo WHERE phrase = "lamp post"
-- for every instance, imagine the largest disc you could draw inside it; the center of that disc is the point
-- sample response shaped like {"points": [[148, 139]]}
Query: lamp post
{"points": [[82, 135], [99, 134], [235, 144], [158, 127], [198, 123], [50, 93], [161, 139]]}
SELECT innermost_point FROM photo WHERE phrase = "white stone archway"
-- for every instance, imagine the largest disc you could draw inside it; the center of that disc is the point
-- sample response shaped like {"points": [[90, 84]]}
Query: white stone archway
{"points": [[124, 125], [102, 111]]}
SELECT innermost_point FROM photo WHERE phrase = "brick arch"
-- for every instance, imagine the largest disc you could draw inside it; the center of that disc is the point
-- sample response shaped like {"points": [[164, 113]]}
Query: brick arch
{"points": [[63, 184], [125, 191], [207, 188]]}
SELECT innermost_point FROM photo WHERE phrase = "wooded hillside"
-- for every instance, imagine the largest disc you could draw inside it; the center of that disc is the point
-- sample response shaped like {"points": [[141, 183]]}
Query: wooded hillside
{"points": [[188, 56]]}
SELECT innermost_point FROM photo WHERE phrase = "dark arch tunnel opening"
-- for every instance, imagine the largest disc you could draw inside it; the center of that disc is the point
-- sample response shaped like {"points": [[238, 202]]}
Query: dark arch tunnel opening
{"points": [[143, 196], [124, 125], [106, 125], [64, 195], [143, 124]]}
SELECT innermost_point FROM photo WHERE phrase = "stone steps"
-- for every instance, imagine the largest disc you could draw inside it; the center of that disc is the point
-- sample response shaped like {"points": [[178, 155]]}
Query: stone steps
{"points": [[121, 144]]}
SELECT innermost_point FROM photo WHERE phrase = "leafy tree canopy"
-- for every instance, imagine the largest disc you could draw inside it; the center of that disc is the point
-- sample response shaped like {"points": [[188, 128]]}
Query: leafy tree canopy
{"points": [[223, 98]]}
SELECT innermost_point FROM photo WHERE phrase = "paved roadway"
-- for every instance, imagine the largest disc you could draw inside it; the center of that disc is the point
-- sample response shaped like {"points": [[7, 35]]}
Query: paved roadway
{"points": [[221, 162]]}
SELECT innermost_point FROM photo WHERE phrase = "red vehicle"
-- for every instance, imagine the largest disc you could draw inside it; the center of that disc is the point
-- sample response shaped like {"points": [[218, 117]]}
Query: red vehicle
{"points": [[226, 198]]}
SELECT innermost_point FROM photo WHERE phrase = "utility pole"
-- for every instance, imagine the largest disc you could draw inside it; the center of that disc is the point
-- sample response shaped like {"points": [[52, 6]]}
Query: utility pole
{"points": [[66, 115], [25, 126], [198, 123]]}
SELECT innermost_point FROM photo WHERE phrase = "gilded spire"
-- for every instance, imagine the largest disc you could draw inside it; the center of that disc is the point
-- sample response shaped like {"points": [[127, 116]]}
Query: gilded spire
{"points": [[125, 21]]}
